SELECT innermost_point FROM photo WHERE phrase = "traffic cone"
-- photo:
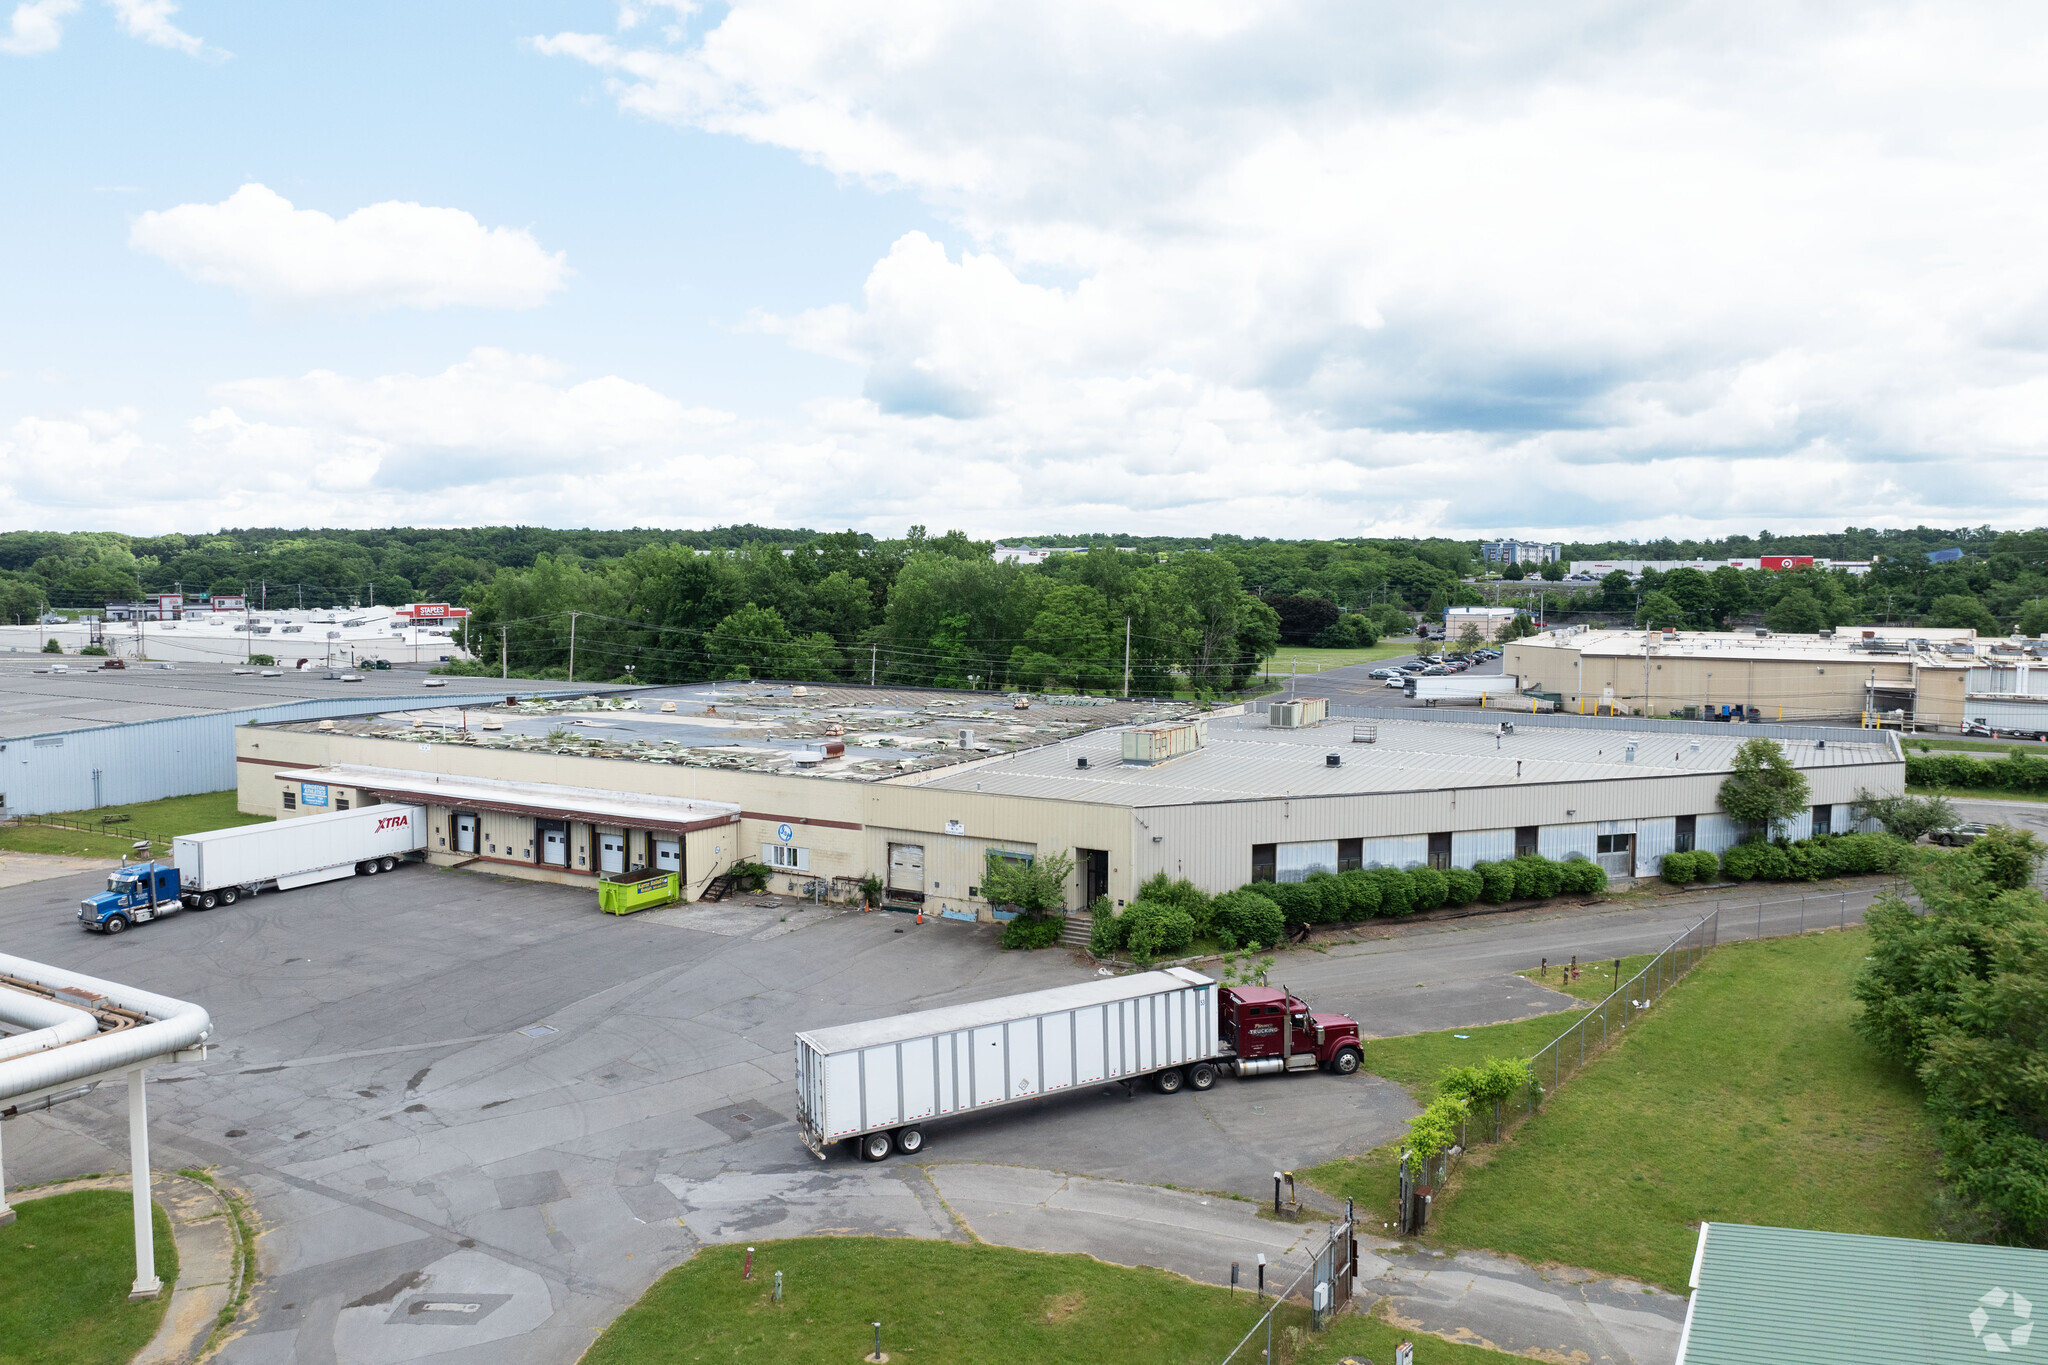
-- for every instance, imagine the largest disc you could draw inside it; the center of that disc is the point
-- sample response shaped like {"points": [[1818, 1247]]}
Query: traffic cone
{"points": [[920, 914]]}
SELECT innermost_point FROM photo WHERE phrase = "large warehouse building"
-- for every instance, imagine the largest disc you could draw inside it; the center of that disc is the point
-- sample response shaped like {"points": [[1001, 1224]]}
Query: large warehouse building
{"points": [[75, 736], [840, 784], [1859, 674]]}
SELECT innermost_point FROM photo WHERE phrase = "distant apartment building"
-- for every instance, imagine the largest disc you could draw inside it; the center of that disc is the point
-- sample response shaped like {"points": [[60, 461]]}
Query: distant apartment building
{"points": [[1520, 552]]}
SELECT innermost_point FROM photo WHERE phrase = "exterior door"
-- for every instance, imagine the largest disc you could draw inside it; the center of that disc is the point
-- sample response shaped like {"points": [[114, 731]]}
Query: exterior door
{"points": [[906, 868], [554, 847], [668, 855], [465, 834], [1094, 874], [1618, 854], [611, 853]]}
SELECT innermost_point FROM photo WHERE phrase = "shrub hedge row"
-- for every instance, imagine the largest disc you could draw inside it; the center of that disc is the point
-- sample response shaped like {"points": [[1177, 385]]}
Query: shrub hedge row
{"points": [[1808, 860], [2017, 772]]}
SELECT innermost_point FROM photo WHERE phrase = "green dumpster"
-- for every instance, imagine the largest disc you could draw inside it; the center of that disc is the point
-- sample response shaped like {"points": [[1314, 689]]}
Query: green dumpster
{"points": [[626, 892]]}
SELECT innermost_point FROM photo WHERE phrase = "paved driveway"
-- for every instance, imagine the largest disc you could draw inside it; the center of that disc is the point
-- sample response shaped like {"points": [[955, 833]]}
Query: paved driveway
{"points": [[442, 1087]]}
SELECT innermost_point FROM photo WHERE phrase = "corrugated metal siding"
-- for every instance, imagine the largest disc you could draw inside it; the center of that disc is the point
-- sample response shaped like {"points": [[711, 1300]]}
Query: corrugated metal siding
{"points": [[151, 759], [1481, 846], [1627, 725], [1799, 826], [1716, 833], [1410, 850], [1293, 862], [1560, 841], [1654, 839]]}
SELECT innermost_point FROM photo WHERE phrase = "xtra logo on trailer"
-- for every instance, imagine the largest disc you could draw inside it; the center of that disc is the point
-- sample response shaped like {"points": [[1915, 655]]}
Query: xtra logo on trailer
{"points": [[393, 822]]}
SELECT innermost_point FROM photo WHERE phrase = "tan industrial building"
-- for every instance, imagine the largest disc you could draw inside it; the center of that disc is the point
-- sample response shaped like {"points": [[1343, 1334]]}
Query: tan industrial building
{"points": [[1863, 675], [1221, 799]]}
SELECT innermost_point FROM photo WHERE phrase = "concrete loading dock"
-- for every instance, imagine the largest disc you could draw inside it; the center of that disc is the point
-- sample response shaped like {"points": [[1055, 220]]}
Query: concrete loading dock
{"points": [[1249, 800]]}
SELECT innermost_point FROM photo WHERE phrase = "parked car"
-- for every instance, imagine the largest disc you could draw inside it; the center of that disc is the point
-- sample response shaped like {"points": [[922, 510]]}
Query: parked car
{"points": [[1398, 683], [1383, 673], [1955, 836]]}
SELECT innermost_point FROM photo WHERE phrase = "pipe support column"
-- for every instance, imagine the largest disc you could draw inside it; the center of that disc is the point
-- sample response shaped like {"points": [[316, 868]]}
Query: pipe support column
{"points": [[147, 1285]]}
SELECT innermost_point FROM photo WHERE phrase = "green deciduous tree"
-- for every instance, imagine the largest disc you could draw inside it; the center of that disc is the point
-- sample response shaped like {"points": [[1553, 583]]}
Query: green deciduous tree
{"points": [[1033, 886], [1764, 789]]}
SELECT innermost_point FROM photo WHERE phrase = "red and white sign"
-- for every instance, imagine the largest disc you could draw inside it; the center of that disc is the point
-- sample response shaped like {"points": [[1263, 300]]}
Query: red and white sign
{"points": [[433, 611], [1775, 562], [168, 601]]}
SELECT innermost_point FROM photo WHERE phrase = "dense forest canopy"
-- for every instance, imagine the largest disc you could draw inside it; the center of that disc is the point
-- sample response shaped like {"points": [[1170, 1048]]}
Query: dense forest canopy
{"points": [[759, 601]]}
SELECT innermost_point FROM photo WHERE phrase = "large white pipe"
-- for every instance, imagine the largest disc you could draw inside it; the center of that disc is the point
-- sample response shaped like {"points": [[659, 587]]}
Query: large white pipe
{"points": [[174, 1025], [50, 1024]]}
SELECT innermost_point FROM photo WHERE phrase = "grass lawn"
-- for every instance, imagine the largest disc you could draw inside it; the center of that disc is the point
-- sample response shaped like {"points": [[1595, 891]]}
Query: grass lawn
{"points": [[1975, 746], [66, 1265], [1974, 793], [1308, 660], [1414, 1062], [1596, 979], [1744, 1097], [165, 819], [943, 1302]]}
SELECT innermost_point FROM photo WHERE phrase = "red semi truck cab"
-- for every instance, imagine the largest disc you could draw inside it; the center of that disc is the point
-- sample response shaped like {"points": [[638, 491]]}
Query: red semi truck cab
{"points": [[1271, 1030]]}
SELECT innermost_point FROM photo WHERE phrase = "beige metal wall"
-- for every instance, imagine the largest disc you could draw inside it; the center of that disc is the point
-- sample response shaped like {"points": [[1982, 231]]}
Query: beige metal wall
{"points": [[1831, 687], [844, 825], [1211, 845]]}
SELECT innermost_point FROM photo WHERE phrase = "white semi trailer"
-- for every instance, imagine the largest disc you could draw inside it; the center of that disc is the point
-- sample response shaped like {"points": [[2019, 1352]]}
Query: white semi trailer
{"points": [[878, 1083], [221, 866], [1460, 688]]}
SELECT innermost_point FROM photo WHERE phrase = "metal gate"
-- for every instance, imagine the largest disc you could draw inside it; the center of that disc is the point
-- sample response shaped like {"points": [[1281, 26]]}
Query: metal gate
{"points": [[1335, 1265], [906, 869]]}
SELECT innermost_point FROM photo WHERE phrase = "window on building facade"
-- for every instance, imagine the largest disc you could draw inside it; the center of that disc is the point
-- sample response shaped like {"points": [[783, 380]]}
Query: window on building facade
{"points": [[1823, 819], [1265, 863], [1440, 851], [1615, 843], [1350, 854], [1684, 837], [1525, 841], [291, 800]]}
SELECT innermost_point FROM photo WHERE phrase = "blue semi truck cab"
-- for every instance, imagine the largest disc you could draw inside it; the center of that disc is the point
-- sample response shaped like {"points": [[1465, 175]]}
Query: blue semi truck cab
{"points": [[135, 894]]}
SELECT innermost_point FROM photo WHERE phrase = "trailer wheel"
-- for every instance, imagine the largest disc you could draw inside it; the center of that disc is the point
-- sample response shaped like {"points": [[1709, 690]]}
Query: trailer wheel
{"points": [[1346, 1061], [874, 1147], [1169, 1081], [387, 864], [207, 900], [910, 1141], [117, 925], [370, 868], [1201, 1076], [230, 896]]}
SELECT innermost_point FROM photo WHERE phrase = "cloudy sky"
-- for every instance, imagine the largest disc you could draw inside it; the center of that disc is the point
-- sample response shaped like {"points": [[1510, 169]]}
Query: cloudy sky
{"points": [[1592, 267]]}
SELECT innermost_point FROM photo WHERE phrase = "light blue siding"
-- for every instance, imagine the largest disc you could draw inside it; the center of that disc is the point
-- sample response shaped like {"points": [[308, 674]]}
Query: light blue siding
{"points": [[1482, 846]]}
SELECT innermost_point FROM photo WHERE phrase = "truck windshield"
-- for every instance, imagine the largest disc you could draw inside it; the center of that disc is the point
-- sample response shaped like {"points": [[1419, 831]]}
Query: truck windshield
{"points": [[117, 882]]}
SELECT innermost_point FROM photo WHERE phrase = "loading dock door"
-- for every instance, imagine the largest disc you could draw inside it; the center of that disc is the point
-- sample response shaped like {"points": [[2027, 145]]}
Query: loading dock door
{"points": [[668, 855], [906, 869], [611, 852], [554, 847], [465, 834]]}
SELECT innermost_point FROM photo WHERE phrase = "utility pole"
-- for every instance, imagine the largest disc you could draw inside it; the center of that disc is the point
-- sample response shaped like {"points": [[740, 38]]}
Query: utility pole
{"points": [[504, 659], [1127, 658], [874, 652], [572, 644]]}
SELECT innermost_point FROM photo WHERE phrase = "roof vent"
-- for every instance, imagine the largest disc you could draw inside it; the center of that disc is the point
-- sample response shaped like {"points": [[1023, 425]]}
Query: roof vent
{"points": [[1333, 760], [1762, 631], [1081, 762], [668, 708], [327, 725]]}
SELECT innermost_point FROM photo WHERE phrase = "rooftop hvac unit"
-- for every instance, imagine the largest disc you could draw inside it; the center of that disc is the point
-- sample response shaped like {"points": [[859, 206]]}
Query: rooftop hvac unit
{"points": [[1298, 714], [964, 738], [1365, 734], [1333, 760], [1158, 743]]}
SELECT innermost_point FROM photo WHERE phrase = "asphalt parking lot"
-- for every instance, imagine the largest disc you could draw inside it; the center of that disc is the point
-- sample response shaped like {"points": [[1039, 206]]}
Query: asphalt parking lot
{"points": [[1353, 685], [434, 1080]]}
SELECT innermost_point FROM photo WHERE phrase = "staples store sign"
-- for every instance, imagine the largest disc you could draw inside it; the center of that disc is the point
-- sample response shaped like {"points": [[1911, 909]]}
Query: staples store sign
{"points": [[433, 611]]}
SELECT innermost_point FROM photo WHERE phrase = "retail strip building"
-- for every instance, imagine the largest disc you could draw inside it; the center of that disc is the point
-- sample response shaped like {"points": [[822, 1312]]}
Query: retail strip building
{"points": [[916, 789]]}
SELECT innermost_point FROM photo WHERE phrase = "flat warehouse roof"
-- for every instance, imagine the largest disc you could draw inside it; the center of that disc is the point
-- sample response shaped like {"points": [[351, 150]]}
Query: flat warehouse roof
{"points": [[1246, 759], [545, 799], [35, 701], [952, 1018]]}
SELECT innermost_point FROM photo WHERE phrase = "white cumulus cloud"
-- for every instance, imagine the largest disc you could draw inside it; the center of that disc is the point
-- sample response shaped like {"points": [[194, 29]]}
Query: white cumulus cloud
{"points": [[150, 20], [36, 26], [387, 255], [1607, 262]]}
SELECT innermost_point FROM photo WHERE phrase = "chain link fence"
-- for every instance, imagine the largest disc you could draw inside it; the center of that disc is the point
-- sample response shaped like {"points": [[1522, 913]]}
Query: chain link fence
{"points": [[1325, 1284]]}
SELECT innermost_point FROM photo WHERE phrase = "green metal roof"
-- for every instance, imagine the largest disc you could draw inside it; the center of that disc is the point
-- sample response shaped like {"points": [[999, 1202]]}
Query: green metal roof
{"points": [[1785, 1296]]}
